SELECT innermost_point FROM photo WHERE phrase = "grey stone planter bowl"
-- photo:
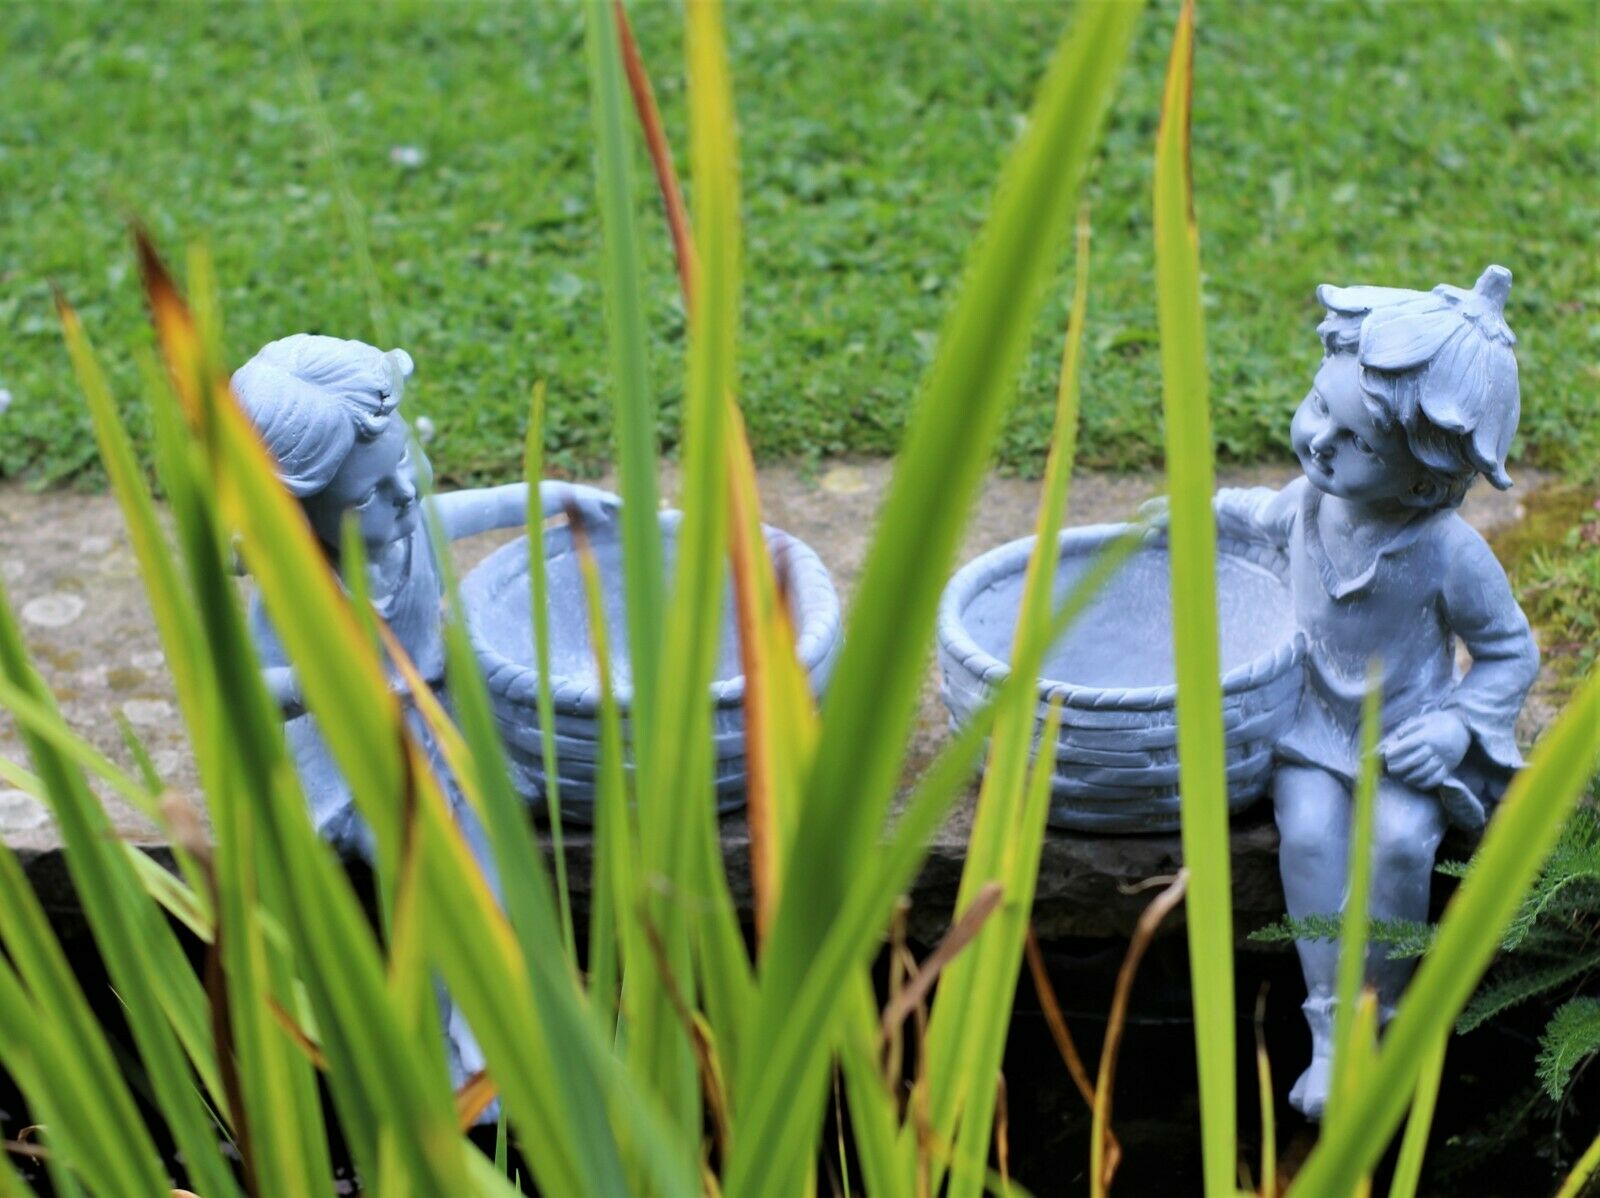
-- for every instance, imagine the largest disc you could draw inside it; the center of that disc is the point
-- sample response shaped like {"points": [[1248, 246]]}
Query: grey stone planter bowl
{"points": [[499, 624], [1116, 763]]}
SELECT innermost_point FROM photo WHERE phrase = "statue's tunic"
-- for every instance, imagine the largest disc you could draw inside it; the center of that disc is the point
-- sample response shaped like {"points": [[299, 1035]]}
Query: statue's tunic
{"points": [[1435, 580], [411, 610]]}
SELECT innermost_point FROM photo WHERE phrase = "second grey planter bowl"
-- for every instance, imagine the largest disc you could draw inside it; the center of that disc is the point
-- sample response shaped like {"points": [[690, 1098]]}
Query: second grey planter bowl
{"points": [[1116, 758], [499, 622]]}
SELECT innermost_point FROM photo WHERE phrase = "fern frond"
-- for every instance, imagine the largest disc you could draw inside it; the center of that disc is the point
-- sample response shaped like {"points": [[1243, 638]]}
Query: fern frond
{"points": [[1562, 937], [1517, 984], [1556, 893], [1310, 927], [1571, 1037], [1405, 937]]}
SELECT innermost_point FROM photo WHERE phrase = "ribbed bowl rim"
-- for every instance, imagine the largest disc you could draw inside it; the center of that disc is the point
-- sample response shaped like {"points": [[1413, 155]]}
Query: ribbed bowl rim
{"points": [[985, 570], [812, 598]]}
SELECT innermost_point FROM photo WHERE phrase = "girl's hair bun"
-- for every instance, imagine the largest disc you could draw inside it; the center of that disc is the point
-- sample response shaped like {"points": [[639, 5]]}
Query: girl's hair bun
{"points": [[313, 398]]}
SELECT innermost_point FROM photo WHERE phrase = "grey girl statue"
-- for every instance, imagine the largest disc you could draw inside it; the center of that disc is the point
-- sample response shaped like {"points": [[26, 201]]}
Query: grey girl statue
{"points": [[326, 409], [1416, 396]]}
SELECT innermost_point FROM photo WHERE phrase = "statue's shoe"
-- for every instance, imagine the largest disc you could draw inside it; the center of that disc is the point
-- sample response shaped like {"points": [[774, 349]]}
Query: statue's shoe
{"points": [[1310, 1094]]}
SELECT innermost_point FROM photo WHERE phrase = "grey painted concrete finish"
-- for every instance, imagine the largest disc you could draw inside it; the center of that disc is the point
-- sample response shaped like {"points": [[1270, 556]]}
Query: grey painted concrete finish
{"points": [[69, 571]]}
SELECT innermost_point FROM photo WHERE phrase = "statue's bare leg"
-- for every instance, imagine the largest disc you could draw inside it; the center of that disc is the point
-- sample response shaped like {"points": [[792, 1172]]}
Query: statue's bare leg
{"points": [[1406, 830], [1313, 813]]}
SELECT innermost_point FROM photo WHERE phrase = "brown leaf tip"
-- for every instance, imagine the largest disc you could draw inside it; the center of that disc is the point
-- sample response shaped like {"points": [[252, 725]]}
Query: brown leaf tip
{"points": [[159, 287], [64, 309]]}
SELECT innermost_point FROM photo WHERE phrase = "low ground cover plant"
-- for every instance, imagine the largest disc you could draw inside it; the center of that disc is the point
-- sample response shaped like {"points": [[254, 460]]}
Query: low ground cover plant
{"points": [[1549, 957], [666, 1055]]}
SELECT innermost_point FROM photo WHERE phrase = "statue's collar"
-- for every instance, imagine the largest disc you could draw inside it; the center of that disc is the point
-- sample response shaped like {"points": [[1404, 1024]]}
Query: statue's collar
{"points": [[1333, 582]]}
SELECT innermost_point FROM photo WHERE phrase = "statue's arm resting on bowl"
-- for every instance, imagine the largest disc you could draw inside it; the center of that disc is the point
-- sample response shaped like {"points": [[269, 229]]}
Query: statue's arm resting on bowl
{"points": [[1261, 513], [466, 513]]}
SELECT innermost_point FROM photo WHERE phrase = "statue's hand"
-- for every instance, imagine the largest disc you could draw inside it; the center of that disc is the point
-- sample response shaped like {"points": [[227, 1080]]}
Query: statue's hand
{"points": [[595, 507], [1240, 511], [1424, 750], [1156, 512], [401, 689], [285, 691]]}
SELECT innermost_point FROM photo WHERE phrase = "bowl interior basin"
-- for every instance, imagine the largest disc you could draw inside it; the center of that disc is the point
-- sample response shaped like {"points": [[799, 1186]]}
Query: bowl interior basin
{"points": [[502, 619], [1124, 637]]}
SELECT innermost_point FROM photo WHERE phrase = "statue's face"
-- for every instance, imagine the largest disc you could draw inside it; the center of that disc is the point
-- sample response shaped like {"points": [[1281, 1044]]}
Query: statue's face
{"points": [[378, 483], [1341, 448]]}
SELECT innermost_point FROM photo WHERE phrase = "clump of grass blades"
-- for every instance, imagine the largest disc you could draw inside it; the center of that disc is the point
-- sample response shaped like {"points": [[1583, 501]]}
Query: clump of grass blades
{"points": [[596, 1099], [610, 1079]]}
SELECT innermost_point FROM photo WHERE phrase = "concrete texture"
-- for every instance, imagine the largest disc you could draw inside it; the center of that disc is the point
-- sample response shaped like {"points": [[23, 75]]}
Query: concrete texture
{"points": [[66, 564]]}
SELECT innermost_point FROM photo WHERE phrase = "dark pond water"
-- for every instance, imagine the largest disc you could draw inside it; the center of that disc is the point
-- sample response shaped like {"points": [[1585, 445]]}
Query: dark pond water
{"points": [[1487, 1142]]}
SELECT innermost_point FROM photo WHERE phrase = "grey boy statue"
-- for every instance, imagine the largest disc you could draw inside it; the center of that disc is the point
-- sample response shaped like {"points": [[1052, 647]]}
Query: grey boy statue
{"points": [[326, 409], [1416, 396]]}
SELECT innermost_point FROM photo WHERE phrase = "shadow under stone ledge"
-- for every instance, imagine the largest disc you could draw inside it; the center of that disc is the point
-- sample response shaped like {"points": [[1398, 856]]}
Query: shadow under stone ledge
{"points": [[1090, 886]]}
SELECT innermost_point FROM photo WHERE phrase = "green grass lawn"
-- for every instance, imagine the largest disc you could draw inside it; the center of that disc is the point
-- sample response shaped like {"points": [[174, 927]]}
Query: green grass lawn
{"points": [[1350, 142]]}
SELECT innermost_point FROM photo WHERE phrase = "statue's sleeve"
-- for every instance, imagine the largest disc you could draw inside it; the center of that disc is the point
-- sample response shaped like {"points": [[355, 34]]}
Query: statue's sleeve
{"points": [[468, 512], [1259, 511], [1480, 609]]}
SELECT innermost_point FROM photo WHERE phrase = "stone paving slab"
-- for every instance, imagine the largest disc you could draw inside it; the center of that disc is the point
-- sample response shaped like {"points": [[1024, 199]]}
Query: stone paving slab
{"points": [[66, 563]]}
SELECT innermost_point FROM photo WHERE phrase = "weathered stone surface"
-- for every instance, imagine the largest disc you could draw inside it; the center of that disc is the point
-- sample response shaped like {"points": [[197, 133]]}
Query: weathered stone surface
{"points": [[56, 610], [1088, 885], [106, 660], [21, 812]]}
